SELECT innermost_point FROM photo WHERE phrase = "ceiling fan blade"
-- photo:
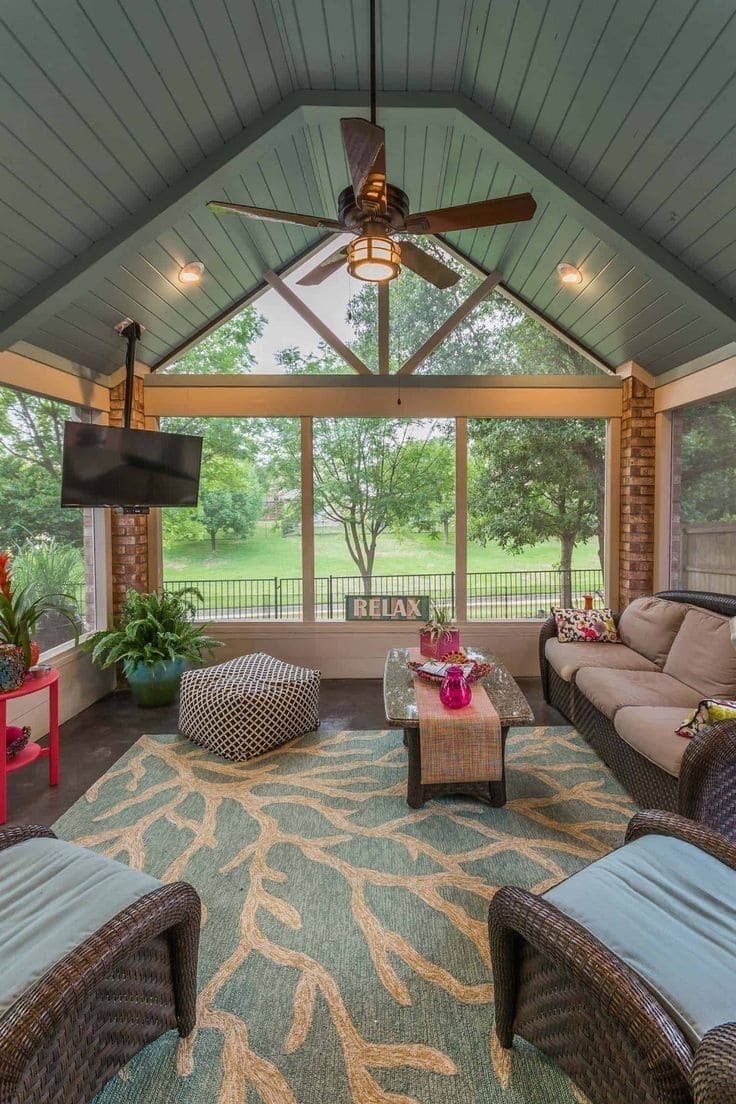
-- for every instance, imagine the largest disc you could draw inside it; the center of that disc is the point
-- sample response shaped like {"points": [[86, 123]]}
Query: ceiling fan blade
{"points": [[221, 206], [469, 216], [323, 270], [424, 264], [365, 149]]}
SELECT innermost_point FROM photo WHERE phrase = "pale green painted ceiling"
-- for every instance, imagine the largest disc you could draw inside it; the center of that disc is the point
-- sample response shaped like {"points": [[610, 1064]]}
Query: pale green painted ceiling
{"points": [[119, 119]]}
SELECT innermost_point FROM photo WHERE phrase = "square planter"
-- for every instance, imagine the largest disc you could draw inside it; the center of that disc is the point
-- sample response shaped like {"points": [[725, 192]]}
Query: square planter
{"points": [[436, 649]]}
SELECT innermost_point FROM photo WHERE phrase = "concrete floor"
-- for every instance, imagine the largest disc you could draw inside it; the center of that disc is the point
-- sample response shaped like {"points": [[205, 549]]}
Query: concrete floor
{"points": [[93, 740]]}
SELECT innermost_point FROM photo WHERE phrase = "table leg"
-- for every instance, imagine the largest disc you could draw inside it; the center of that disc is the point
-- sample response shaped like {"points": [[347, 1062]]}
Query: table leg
{"points": [[3, 761], [54, 734], [414, 787], [497, 790]]}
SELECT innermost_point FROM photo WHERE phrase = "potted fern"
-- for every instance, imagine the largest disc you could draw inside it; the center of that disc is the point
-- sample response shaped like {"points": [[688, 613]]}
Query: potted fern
{"points": [[153, 639]]}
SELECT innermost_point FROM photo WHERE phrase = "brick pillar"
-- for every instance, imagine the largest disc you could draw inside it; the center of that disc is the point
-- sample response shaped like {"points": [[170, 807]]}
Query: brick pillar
{"points": [[129, 531], [636, 546]]}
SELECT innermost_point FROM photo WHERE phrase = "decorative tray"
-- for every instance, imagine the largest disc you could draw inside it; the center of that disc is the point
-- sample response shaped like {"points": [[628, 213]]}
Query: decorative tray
{"points": [[434, 671]]}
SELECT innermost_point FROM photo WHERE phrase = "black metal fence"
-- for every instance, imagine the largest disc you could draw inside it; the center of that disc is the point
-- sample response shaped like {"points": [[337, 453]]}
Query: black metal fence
{"points": [[491, 595]]}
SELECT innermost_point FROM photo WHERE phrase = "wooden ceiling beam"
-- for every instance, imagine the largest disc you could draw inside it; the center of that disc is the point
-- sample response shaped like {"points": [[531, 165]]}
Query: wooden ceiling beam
{"points": [[317, 324], [484, 289]]}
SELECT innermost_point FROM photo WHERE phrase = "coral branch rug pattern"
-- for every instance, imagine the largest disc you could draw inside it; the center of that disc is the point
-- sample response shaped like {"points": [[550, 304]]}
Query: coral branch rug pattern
{"points": [[344, 954]]}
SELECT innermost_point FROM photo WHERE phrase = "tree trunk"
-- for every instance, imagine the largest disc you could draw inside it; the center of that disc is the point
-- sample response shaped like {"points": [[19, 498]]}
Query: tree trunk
{"points": [[567, 543], [600, 505], [213, 540], [446, 527]]}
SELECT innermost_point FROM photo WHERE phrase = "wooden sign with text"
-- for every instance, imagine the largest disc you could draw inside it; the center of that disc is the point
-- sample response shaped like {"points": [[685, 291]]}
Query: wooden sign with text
{"points": [[386, 607]]}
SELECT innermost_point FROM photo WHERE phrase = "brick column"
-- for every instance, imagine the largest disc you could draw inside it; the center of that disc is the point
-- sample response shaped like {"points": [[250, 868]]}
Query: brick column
{"points": [[129, 531], [636, 543]]}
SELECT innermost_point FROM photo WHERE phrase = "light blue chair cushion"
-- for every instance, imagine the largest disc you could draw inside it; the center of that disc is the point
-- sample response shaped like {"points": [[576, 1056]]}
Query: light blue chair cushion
{"points": [[668, 910], [53, 896]]}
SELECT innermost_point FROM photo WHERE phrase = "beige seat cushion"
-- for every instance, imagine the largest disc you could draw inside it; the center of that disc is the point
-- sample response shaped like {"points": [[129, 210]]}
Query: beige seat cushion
{"points": [[567, 659], [649, 626], [650, 730], [609, 691], [702, 655]]}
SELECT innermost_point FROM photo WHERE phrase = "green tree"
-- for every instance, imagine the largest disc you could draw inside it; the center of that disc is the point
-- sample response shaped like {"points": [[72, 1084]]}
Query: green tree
{"points": [[230, 499], [496, 338], [709, 461], [225, 351], [31, 436], [531, 480]]}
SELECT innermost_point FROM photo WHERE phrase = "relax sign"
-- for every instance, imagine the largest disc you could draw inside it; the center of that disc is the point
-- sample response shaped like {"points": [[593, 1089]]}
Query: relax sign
{"points": [[386, 607]]}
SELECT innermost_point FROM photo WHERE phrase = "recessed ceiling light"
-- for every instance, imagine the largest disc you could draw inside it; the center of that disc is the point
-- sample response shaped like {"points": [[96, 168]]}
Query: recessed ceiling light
{"points": [[191, 273], [569, 274]]}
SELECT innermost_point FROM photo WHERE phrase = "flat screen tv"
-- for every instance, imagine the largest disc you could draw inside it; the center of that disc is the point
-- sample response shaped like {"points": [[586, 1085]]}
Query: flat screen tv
{"points": [[108, 466]]}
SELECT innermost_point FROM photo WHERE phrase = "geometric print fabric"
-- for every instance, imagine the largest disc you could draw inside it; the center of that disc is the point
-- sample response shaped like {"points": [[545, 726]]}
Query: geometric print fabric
{"points": [[249, 705]]}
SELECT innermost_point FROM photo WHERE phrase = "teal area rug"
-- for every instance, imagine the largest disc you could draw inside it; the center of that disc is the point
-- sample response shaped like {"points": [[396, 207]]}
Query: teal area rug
{"points": [[344, 955]]}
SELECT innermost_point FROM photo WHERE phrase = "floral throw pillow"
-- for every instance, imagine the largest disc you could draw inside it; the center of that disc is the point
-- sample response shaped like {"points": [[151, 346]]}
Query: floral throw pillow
{"points": [[576, 626], [709, 712]]}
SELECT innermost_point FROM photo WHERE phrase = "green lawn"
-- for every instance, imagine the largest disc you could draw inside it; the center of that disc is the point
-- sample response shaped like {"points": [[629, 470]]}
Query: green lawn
{"points": [[267, 554]]}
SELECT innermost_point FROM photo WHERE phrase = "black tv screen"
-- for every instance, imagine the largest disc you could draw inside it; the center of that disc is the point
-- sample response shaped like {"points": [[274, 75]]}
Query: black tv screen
{"points": [[108, 466]]}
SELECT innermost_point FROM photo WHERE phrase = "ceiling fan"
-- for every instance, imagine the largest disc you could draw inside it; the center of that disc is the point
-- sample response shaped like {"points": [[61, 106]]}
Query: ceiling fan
{"points": [[376, 211]]}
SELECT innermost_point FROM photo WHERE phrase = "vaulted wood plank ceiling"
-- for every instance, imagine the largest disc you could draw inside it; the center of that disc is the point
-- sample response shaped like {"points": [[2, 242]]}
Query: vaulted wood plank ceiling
{"points": [[109, 111]]}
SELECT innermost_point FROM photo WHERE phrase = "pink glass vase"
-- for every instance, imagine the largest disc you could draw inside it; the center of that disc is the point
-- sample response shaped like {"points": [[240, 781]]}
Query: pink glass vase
{"points": [[455, 690]]}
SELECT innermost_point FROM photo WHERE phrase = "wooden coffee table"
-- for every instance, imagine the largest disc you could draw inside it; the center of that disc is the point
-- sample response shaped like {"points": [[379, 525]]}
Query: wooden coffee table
{"points": [[402, 712]]}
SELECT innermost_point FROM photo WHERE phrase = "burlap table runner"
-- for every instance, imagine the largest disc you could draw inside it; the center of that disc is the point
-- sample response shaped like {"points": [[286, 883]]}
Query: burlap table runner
{"points": [[458, 745]]}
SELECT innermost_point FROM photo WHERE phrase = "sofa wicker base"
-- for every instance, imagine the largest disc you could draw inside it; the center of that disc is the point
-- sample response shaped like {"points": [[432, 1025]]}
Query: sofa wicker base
{"points": [[648, 784], [126, 985], [560, 694]]}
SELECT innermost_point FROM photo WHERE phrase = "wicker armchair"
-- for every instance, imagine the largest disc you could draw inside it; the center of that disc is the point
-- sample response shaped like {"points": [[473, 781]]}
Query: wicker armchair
{"points": [[134, 979], [707, 782], [561, 989]]}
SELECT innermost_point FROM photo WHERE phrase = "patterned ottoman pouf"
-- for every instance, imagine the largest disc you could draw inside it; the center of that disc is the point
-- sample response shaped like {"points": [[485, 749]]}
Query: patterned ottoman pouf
{"points": [[249, 705]]}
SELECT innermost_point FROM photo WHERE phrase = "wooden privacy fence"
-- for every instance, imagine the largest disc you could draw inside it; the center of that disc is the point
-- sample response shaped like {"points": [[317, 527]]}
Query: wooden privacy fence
{"points": [[709, 557]]}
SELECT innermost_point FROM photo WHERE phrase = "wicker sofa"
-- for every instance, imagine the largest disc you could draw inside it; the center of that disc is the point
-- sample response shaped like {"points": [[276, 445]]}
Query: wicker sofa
{"points": [[628, 698]]}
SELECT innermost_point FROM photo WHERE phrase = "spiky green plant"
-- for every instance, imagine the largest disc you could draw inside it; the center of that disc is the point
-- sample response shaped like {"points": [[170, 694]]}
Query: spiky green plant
{"points": [[440, 624], [22, 608], [154, 628]]}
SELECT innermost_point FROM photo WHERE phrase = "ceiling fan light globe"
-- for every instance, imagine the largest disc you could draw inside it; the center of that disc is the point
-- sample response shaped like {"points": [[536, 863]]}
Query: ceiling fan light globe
{"points": [[374, 258]]}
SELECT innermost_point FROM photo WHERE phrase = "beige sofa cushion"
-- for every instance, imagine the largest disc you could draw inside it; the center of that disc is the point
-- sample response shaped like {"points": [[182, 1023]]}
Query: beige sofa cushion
{"points": [[609, 691], [650, 730], [649, 626], [702, 655], [567, 659]]}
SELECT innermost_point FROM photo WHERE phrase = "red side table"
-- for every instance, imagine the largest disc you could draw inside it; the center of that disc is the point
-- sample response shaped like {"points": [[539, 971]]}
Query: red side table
{"points": [[32, 750]]}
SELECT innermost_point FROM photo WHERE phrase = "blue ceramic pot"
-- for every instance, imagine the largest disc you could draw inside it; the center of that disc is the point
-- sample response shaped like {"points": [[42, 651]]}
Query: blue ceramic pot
{"points": [[154, 685]]}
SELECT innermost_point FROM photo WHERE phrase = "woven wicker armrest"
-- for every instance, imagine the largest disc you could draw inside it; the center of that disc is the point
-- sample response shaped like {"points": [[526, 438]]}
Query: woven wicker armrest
{"points": [[547, 631], [9, 836], [708, 778], [658, 823], [516, 915], [714, 1072], [30, 1023]]}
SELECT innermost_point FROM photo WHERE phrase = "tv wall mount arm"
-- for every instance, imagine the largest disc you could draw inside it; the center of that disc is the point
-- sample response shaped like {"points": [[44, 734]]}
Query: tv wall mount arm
{"points": [[131, 331]]}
